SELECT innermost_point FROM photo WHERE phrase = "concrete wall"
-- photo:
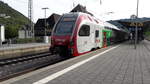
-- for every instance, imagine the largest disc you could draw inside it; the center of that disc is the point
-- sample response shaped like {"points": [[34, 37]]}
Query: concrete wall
{"points": [[24, 34], [22, 51]]}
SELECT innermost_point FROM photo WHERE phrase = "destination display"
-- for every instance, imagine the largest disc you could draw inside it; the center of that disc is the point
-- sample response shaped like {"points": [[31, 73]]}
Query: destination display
{"points": [[69, 19]]}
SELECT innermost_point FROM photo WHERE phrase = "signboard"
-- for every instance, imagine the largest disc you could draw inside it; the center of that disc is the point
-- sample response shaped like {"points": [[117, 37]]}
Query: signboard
{"points": [[69, 19], [138, 24]]}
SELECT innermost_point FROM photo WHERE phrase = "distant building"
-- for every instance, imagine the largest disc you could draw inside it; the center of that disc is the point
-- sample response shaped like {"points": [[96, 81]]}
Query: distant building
{"points": [[143, 24], [39, 27], [24, 32]]}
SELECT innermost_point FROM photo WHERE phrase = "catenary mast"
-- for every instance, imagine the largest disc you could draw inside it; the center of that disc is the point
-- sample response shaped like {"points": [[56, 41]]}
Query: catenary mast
{"points": [[30, 16]]}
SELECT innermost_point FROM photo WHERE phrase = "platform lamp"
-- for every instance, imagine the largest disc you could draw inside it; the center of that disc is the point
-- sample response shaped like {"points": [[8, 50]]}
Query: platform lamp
{"points": [[45, 19], [45, 23], [136, 30]]}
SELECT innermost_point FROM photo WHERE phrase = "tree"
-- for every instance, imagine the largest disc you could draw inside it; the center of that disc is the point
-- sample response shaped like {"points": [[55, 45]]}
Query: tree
{"points": [[11, 31]]}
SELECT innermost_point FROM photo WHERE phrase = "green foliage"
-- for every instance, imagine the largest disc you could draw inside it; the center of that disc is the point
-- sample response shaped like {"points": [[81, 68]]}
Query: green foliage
{"points": [[26, 40], [38, 39], [147, 33], [14, 23], [11, 31]]}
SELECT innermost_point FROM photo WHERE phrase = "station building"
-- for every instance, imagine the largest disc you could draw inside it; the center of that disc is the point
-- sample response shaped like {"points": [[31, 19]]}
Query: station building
{"points": [[143, 25], [39, 27]]}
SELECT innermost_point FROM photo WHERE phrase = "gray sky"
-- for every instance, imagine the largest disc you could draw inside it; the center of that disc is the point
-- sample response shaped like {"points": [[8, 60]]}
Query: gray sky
{"points": [[120, 8]]}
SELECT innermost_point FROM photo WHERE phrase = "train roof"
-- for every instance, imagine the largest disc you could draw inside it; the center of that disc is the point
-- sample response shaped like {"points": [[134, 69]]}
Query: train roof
{"points": [[94, 19], [111, 26]]}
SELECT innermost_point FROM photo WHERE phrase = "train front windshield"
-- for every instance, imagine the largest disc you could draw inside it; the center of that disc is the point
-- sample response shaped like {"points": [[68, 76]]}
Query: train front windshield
{"points": [[65, 26]]}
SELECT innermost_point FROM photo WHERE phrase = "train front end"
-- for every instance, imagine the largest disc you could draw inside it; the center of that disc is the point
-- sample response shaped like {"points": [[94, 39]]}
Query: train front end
{"points": [[62, 35]]}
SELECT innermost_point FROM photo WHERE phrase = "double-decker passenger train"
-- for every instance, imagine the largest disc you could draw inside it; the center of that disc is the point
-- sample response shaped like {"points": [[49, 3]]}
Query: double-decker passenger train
{"points": [[78, 33]]}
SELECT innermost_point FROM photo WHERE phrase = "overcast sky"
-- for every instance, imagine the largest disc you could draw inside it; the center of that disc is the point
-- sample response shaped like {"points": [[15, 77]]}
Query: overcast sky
{"points": [[121, 8]]}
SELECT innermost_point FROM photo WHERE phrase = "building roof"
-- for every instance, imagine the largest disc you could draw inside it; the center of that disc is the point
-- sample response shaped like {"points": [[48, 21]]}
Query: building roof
{"points": [[25, 27], [119, 25], [136, 20], [51, 20], [54, 16], [116, 23], [39, 23], [80, 8]]}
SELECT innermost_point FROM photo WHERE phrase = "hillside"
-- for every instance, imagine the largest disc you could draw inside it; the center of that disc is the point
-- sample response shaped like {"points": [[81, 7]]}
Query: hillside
{"points": [[14, 22]]}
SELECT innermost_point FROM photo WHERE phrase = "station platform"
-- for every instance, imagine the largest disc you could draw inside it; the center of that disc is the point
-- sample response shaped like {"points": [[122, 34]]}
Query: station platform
{"points": [[15, 50], [120, 64]]}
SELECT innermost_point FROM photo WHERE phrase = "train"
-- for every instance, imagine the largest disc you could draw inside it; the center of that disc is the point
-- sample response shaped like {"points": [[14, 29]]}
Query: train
{"points": [[78, 33]]}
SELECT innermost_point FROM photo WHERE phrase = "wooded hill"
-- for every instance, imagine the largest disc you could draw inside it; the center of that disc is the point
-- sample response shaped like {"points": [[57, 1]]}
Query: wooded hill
{"points": [[12, 19]]}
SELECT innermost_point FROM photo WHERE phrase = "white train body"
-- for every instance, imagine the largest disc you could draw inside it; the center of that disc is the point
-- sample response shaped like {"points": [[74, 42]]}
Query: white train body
{"points": [[78, 33]]}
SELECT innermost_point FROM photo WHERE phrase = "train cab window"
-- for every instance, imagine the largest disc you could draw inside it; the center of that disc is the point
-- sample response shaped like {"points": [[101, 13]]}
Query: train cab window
{"points": [[84, 30], [96, 33], [64, 28], [65, 25]]}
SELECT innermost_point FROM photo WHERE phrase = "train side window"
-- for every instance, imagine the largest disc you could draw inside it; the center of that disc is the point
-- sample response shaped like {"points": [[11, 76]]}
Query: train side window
{"points": [[84, 30], [96, 33]]}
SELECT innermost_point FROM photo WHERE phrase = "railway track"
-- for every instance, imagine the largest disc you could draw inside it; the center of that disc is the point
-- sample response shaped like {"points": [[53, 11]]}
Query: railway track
{"points": [[16, 66], [22, 58]]}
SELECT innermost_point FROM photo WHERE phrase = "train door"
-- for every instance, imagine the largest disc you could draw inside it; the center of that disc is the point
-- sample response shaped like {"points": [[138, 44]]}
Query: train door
{"points": [[92, 37], [96, 36], [97, 39], [101, 36], [83, 39], [104, 39]]}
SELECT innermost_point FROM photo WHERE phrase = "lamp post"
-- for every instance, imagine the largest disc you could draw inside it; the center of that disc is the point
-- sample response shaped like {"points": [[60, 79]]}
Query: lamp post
{"points": [[45, 20], [45, 23], [136, 28]]}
